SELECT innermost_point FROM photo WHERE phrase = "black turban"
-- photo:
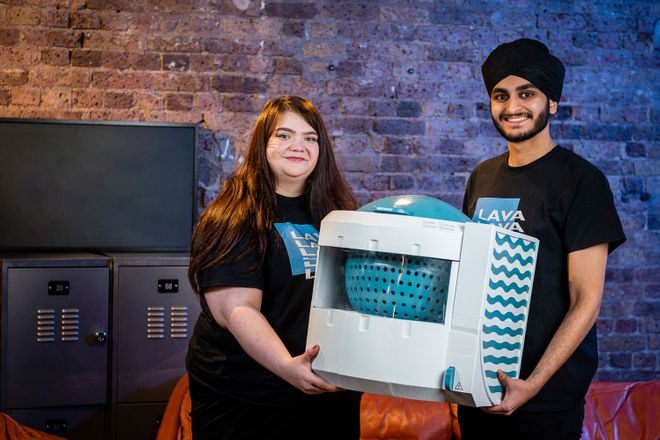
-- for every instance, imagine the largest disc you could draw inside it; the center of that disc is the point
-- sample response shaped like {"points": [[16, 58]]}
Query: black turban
{"points": [[529, 59]]}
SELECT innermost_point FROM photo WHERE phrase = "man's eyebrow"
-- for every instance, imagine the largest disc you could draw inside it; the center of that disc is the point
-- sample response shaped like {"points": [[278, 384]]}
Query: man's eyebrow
{"points": [[519, 88], [526, 86]]}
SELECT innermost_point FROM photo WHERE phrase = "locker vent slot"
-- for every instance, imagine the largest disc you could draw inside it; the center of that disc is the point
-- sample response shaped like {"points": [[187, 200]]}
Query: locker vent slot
{"points": [[46, 325], [179, 322], [70, 325], [155, 322]]}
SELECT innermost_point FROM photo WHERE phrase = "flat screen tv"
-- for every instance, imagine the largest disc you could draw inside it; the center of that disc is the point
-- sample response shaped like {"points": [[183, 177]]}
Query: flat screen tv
{"points": [[96, 186]]}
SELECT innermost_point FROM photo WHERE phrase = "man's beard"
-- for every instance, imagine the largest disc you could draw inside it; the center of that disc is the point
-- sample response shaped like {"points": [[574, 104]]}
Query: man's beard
{"points": [[539, 124]]}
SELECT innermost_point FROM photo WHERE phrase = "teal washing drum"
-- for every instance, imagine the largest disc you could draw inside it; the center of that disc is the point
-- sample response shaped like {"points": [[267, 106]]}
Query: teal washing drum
{"points": [[401, 286]]}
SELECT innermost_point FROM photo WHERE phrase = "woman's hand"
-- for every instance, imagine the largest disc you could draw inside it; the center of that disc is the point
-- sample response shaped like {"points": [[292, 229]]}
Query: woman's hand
{"points": [[298, 372], [238, 310]]}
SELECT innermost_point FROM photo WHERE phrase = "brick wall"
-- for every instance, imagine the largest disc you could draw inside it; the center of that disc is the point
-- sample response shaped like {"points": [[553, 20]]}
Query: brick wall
{"points": [[398, 83]]}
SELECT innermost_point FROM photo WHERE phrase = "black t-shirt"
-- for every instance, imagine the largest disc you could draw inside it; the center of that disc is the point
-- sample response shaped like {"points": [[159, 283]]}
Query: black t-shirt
{"points": [[567, 204], [215, 359]]}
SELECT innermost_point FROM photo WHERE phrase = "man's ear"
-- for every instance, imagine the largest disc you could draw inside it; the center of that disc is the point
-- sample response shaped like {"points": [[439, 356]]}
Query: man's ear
{"points": [[553, 107]]}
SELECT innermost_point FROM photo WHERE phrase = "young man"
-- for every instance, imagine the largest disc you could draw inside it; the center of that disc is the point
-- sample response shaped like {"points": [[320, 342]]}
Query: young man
{"points": [[551, 193]]}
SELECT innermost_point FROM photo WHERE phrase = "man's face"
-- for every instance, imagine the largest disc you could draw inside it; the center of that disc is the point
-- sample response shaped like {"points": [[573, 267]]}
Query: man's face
{"points": [[520, 111]]}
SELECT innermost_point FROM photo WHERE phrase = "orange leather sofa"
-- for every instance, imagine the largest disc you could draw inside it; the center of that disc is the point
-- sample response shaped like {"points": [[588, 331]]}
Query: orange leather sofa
{"points": [[613, 410], [10, 429]]}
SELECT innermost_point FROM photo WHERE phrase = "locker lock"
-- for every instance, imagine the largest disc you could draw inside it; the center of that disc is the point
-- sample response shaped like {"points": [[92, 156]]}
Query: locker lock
{"points": [[101, 336]]}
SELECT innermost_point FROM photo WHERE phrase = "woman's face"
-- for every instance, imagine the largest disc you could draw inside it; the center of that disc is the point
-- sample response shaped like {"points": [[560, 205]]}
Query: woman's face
{"points": [[292, 153]]}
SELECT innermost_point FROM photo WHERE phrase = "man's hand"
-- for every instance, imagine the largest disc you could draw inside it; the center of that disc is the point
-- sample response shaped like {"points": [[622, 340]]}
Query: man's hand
{"points": [[516, 393]]}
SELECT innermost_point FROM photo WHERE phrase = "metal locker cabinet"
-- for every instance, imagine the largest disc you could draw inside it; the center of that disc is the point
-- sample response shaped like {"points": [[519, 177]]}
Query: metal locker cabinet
{"points": [[54, 342], [155, 309]]}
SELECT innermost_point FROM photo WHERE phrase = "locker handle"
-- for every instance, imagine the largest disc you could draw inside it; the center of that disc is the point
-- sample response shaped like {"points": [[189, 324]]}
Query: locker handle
{"points": [[101, 336]]}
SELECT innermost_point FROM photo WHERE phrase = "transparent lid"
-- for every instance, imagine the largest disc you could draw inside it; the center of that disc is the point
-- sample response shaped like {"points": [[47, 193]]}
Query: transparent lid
{"points": [[416, 206]]}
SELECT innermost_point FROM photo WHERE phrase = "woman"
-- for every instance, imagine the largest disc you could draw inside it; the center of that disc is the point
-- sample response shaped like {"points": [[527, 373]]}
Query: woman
{"points": [[253, 257]]}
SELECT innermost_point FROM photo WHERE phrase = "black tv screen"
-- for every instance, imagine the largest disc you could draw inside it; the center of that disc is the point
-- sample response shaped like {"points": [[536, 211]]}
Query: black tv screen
{"points": [[98, 186]]}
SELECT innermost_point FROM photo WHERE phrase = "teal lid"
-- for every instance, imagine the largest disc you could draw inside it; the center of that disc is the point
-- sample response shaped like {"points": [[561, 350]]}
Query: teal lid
{"points": [[416, 206]]}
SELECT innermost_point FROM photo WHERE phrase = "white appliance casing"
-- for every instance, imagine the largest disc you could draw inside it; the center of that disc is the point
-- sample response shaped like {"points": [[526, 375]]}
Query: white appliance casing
{"points": [[452, 361]]}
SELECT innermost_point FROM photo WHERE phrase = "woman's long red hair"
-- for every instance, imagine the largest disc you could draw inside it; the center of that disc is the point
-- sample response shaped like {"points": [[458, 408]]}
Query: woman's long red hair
{"points": [[245, 207]]}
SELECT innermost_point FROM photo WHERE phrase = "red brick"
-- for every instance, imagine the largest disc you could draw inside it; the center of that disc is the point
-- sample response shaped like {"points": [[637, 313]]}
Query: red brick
{"points": [[119, 114], [626, 326], [348, 69], [238, 84], [121, 80], [317, 49], [402, 182], [85, 19], [55, 56], [5, 96], [177, 62], [116, 21], [40, 113], [620, 360], [287, 66], [144, 61], [175, 116], [376, 182], [60, 4], [26, 97], [116, 5], [17, 57], [108, 40], [604, 326], [410, 16], [55, 37], [22, 16], [9, 37], [204, 62], [174, 43], [648, 274], [344, 87], [57, 18], [217, 45], [56, 98], [149, 100], [86, 58], [49, 76], [208, 101], [114, 59], [322, 30], [88, 98], [145, 22], [398, 126], [118, 100], [13, 77], [291, 10], [260, 64], [242, 103], [631, 343], [365, 163], [294, 28], [234, 63], [177, 23], [382, 108], [645, 360], [351, 124], [351, 11], [180, 82], [179, 101]]}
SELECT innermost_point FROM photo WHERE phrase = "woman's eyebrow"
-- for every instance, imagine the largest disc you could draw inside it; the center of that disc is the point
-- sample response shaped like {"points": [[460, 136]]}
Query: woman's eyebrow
{"points": [[288, 130]]}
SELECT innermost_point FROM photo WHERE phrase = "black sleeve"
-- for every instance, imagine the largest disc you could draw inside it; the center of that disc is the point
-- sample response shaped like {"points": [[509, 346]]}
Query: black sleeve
{"points": [[466, 196], [592, 218], [238, 274]]}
